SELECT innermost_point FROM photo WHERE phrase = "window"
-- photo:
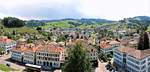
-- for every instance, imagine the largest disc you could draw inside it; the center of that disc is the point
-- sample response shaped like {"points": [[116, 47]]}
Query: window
{"points": [[148, 59], [143, 62], [132, 60], [143, 67], [144, 71], [118, 57], [133, 65]]}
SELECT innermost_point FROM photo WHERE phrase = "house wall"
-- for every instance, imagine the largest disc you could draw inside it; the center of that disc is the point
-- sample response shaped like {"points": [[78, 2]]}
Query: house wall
{"points": [[17, 56], [29, 57]]}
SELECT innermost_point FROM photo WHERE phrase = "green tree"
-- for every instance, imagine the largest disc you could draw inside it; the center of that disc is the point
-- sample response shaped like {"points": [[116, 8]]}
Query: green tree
{"points": [[38, 28], [61, 38], [12, 22], [146, 41], [1, 51], [78, 60], [143, 42]]}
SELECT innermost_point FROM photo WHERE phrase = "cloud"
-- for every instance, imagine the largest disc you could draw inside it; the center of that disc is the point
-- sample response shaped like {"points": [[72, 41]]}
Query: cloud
{"points": [[115, 9], [39, 9], [58, 9]]}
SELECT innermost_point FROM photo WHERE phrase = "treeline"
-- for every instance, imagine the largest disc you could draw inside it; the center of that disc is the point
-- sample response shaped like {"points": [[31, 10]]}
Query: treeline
{"points": [[11, 22], [34, 23]]}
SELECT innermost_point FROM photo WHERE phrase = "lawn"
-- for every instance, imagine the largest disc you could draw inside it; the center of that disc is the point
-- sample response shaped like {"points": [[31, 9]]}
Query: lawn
{"points": [[5, 68], [21, 30], [148, 29], [62, 24]]}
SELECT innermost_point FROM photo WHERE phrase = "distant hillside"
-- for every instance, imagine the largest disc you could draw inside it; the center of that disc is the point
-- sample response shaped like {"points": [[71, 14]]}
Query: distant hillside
{"points": [[68, 23], [88, 23], [17, 29], [35, 23], [141, 18], [138, 20]]}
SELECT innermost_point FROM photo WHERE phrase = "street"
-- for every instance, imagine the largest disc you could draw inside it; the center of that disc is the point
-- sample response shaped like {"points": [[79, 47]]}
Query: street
{"points": [[3, 60], [19, 68]]}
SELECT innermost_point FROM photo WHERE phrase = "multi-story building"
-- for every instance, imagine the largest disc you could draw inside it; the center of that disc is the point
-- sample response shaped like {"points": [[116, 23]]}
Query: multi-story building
{"points": [[17, 53], [132, 60], [45, 55], [29, 54], [50, 56], [7, 44], [109, 46]]}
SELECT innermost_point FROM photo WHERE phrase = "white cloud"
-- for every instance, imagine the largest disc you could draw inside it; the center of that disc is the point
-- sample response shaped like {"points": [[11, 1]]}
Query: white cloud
{"points": [[114, 9], [53, 9]]}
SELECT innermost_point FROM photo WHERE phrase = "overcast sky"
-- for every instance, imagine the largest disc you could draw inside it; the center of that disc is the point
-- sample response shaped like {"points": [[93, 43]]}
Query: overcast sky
{"points": [[58, 9]]}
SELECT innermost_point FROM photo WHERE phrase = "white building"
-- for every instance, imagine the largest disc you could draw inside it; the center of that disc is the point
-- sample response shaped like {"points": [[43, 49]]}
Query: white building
{"points": [[17, 54], [50, 56], [7, 44], [47, 56], [29, 54], [132, 60]]}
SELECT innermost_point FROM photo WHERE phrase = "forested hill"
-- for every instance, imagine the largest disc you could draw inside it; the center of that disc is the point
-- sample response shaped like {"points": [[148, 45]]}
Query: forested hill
{"points": [[65, 23], [84, 22]]}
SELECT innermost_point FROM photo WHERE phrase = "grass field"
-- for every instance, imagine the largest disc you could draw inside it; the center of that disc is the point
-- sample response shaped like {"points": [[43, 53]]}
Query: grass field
{"points": [[5, 68], [148, 29], [21, 30], [62, 24]]}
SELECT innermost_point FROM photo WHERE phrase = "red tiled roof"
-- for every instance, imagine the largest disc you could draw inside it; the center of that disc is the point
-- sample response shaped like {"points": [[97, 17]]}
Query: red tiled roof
{"points": [[138, 54], [51, 48], [105, 45], [39, 47], [5, 40]]}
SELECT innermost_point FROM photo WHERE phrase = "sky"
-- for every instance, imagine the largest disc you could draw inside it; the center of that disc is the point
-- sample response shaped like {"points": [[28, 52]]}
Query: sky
{"points": [[59, 9]]}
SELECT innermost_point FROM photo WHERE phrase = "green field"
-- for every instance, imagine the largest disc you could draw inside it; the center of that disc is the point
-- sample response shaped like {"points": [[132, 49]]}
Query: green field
{"points": [[5, 68], [21, 30], [62, 24]]}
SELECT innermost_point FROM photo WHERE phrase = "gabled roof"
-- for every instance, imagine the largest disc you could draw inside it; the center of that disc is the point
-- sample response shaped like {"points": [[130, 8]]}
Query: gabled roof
{"points": [[5, 40]]}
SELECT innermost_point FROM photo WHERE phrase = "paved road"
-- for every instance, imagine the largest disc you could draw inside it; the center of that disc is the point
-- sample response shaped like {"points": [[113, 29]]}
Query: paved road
{"points": [[12, 65], [101, 67]]}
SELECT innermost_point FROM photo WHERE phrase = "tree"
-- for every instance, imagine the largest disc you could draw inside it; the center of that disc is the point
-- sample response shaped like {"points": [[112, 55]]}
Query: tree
{"points": [[146, 41], [61, 38], [1, 51], [102, 56], [78, 60], [143, 42], [12, 22], [34, 23], [38, 28]]}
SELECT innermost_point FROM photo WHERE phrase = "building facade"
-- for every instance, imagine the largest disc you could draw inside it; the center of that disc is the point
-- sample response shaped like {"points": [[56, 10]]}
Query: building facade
{"points": [[132, 60], [7, 44], [47, 56], [50, 56]]}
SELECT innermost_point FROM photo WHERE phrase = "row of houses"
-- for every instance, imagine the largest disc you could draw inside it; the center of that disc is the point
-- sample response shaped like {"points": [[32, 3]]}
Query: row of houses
{"points": [[45, 54]]}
